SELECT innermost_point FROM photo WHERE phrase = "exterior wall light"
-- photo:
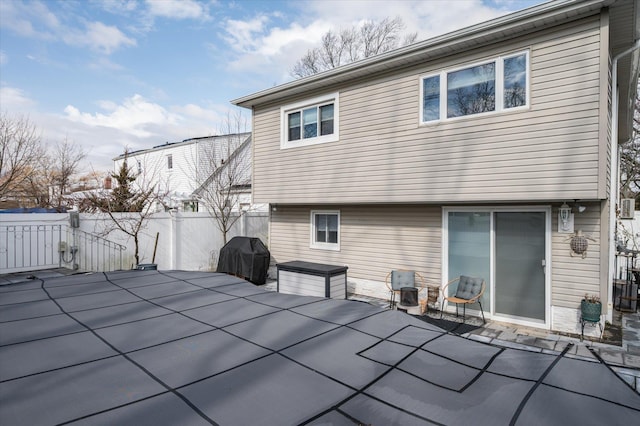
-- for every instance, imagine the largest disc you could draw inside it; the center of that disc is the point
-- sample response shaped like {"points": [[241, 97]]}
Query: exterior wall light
{"points": [[565, 219]]}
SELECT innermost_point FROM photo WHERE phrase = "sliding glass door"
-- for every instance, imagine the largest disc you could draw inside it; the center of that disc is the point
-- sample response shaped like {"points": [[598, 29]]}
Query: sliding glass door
{"points": [[519, 264], [508, 248], [470, 248]]}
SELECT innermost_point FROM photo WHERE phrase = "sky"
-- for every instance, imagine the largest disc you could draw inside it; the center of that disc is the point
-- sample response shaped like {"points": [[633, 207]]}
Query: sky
{"points": [[110, 75]]}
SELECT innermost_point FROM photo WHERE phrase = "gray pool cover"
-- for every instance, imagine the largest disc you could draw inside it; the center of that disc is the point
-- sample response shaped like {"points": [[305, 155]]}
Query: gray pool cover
{"points": [[190, 348]]}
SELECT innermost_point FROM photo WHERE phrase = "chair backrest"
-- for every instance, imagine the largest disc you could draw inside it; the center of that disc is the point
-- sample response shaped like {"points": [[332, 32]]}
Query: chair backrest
{"points": [[401, 279], [469, 287]]}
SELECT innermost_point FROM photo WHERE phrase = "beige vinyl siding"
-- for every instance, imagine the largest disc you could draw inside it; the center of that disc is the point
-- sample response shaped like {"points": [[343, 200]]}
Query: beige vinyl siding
{"points": [[605, 109], [377, 239], [573, 276], [373, 239], [549, 151]]}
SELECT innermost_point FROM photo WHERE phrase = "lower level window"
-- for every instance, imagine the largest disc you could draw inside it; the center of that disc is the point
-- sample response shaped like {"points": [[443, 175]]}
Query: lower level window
{"points": [[325, 230]]}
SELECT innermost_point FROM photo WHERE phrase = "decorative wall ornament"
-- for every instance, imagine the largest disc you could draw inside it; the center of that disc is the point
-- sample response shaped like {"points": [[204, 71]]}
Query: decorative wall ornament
{"points": [[579, 244]]}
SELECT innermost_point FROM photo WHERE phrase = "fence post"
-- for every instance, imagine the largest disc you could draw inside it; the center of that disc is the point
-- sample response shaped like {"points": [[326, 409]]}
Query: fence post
{"points": [[243, 222], [178, 239], [57, 249], [174, 238]]}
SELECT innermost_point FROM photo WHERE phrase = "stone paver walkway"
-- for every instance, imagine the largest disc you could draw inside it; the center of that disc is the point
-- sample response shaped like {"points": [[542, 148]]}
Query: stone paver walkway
{"points": [[624, 360]]}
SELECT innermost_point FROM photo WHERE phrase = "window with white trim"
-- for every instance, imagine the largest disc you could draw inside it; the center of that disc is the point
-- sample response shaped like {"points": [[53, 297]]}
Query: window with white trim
{"points": [[169, 161], [325, 229], [310, 122], [493, 86]]}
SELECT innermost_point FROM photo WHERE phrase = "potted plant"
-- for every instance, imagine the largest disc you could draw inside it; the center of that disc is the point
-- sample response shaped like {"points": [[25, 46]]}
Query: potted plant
{"points": [[591, 308]]}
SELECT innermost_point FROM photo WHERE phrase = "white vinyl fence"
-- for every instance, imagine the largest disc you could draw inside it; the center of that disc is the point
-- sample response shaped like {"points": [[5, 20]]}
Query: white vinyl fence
{"points": [[185, 241]]}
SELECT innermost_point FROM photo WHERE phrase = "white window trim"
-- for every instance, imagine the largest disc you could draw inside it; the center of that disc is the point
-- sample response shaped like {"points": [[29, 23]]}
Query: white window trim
{"points": [[284, 125], [499, 83], [312, 232]]}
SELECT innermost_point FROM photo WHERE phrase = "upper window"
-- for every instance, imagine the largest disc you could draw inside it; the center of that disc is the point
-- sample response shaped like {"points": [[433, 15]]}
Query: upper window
{"points": [[493, 86], [310, 122], [169, 161], [325, 230]]}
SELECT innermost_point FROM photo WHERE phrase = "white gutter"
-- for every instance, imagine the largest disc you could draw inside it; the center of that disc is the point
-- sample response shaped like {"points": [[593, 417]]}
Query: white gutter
{"points": [[615, 178]]}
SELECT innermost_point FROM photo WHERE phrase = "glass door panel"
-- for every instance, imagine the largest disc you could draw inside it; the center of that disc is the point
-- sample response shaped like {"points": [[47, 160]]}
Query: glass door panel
{"points": [[519, 271], [470, 248]]}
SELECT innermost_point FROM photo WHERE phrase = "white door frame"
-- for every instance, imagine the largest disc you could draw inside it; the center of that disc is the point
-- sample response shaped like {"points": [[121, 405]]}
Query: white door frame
{"points": [[489, 310]]}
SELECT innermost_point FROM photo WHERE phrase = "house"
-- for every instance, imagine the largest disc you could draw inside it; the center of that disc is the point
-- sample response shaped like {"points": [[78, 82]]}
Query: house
{"points": [[480, 152], [232, 180], [178, 170]]}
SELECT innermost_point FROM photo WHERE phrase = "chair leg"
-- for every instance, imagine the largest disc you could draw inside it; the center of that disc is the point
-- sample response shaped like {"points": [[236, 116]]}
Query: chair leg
{"points": [[442, 308], [482, 312], [601, 330], [464, 312], [392, 299]]}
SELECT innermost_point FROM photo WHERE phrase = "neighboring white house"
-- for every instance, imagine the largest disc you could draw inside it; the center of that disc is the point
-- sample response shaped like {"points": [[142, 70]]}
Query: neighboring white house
{"points": [[179, 170]]}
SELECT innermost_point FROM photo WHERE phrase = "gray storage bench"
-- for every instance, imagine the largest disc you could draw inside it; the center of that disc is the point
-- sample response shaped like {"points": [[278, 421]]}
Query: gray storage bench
{"points": [[312, 279]]}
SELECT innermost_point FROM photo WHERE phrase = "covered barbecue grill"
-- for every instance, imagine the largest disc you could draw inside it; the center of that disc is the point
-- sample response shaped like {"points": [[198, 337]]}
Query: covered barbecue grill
{"points": [[245, 257]]}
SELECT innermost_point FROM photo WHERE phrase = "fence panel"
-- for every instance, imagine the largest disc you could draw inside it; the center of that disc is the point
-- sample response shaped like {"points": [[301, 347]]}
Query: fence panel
{"points": [[186, 241], [29, 247], [87, 252]]}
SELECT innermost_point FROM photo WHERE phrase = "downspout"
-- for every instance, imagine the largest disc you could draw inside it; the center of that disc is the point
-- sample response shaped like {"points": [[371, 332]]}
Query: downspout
{"points": [[615, 178]]}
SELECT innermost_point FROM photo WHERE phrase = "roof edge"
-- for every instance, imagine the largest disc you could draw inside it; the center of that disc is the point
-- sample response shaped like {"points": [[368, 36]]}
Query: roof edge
{"points": [[534, 13]]}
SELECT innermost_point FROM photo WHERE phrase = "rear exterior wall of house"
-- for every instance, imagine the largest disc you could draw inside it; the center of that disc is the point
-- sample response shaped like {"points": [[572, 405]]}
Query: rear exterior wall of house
{"points": [[392, 178], [553, 149], [375, 239]]}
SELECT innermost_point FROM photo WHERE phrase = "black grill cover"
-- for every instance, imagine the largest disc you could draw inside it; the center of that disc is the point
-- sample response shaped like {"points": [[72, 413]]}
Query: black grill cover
{"points": [[245, 257]]}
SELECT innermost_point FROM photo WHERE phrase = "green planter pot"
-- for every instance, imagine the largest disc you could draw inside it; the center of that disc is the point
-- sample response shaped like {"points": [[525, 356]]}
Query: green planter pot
{"points": [[590, 311]]}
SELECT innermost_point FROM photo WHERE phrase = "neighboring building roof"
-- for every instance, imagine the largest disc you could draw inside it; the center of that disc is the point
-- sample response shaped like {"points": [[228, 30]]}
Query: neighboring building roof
{"points": [[168, 145], [235, 153], [505, 27]]}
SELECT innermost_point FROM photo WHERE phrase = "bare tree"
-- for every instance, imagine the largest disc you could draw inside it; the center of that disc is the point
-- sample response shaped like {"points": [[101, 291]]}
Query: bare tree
{"points": [[630, 158], [20, 149], [128, 205], [223, 173], [66, 157], [34, 189], [50, 175], [349, 45]]}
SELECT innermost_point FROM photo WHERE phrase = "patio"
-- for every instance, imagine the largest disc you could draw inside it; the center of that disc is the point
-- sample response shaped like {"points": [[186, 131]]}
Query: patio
{"points": [[150, 347]]}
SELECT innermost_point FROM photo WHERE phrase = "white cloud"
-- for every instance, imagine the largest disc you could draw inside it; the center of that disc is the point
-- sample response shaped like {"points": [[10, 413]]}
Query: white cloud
{"points": [[13, 99], [103, 63], [31, 19], [245, 36], [35, 20], [270, 50], [193, 111], [119, 6], [135, 123], [143, 123], [4, 59], [101, 37], [178, 9], [136, 116]]}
